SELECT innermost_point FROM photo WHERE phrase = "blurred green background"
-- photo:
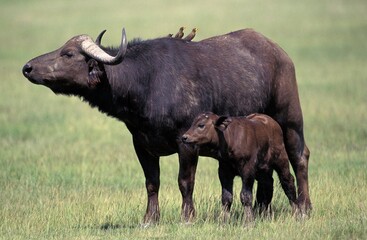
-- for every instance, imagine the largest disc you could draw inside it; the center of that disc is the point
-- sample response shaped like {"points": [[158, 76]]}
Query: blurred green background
{"points": [[68, 171]]}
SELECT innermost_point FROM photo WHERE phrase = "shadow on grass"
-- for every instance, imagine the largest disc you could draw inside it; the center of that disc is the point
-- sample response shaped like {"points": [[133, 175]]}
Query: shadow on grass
{"points": [[236, 219], [113, 226]]}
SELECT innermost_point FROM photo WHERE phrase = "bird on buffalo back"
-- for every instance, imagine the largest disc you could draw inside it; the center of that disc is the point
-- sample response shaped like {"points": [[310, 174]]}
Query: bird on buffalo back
{"points": [[191, 34], [180, 33]]}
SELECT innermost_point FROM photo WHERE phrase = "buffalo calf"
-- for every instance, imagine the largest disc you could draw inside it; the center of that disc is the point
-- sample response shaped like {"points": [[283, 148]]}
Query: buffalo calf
{"points": [[251, 147]]}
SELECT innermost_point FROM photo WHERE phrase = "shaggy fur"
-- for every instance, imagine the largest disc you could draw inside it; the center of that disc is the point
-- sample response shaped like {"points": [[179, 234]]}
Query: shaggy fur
{"points": [[162, 84]]}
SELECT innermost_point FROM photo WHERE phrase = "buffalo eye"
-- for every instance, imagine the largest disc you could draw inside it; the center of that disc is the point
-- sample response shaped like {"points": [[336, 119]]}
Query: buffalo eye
{"points": [[68, 54]]}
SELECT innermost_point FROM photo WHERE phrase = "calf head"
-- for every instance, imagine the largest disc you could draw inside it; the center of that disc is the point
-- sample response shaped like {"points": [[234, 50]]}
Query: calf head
{"points": [[204, 129], [75, 66]]}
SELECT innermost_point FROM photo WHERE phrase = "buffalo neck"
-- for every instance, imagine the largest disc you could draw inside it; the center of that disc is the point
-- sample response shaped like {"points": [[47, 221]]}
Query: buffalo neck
{"points": [[122, 92]]}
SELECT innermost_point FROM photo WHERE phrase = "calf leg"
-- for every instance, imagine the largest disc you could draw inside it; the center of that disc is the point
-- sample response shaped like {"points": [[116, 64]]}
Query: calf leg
{"points": [[188, 158], [264, 193], [246, 195], [226, 177], [150, 165]]}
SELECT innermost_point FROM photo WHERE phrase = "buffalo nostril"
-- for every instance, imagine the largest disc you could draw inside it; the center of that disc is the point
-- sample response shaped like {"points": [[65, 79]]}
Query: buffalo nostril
{"points": [[27, 69], [184, 138]]}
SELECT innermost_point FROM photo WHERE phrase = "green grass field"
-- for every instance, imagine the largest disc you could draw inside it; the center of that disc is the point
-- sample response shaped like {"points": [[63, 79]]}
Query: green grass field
{"points": [[70, 172]]}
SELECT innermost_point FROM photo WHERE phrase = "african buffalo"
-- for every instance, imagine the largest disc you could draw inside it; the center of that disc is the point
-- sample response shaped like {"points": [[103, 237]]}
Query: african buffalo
{"points": [[157, 87], [251, 147]]}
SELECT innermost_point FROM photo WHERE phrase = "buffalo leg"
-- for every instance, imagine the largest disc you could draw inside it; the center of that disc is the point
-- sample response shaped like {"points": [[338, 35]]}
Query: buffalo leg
{"points": [[150, 165], [226, 177], [298, 154], [288, 113], [188, 158], [286, 178]]}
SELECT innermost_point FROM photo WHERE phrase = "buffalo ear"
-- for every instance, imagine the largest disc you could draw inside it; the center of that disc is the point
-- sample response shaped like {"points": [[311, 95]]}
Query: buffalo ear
{"points": [[94, 73], [222, 123]]}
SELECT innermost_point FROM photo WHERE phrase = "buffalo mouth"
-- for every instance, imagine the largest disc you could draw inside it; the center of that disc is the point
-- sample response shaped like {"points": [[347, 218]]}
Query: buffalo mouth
{"points": [[28, 73], [39, 81], [56, 86]]}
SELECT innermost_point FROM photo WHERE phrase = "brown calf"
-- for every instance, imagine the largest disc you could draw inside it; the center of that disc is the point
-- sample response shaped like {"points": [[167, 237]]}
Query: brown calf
{"points": [[251, 147]]}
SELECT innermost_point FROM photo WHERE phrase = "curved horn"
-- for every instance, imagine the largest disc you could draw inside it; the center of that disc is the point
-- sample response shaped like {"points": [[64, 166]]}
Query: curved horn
{"points": [[99, 38], [94, 51]]}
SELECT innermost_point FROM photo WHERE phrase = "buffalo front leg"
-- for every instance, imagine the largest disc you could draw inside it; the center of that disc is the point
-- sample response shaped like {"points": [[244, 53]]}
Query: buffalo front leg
{"points": [[150, 165], [188, 158]]}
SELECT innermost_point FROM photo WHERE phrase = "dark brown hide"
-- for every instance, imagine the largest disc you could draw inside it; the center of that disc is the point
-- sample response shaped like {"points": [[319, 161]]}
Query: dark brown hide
{"points": [[158, 87], [251, 147]]}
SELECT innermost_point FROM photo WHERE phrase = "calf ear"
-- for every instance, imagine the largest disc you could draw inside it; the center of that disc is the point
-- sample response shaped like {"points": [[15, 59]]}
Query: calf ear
{"points": [[94, 72], [222, 123]]}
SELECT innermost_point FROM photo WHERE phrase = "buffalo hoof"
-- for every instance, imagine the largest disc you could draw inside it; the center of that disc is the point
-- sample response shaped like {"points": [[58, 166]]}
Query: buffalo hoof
{"points": [[187, 224], [151, 219], [188, 215], [147, 225], [264, 212], [224, 217], [187, 221], [303, 212], [249, 217]]}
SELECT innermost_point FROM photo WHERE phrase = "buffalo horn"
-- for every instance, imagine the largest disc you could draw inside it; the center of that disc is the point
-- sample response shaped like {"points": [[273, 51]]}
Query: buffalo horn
{"points": [[93, 50], [99, 38]]}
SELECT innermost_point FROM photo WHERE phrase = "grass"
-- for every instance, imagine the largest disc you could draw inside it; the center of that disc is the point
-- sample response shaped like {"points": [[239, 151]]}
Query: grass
{"points": [[69, 172]]}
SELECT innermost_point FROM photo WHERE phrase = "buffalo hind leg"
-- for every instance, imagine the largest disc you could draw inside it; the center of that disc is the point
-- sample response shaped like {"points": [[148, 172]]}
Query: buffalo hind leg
{"points": [[288, 113], [150, 165], [286, 178], [188, 158], [299, 154]]}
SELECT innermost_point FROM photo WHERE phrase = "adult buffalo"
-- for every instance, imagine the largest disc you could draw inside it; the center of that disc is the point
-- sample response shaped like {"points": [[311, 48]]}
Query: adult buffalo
{"points": [[157, 87]]}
